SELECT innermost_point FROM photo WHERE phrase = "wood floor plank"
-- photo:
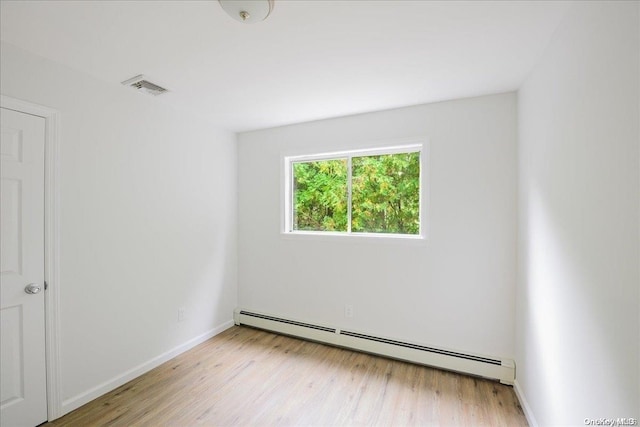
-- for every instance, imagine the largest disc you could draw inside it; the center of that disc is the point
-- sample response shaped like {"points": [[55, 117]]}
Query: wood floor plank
{"points": [[249, 377]]}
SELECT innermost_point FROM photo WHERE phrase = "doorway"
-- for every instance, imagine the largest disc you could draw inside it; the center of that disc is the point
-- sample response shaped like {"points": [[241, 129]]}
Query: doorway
{"points": [[30, 259]]}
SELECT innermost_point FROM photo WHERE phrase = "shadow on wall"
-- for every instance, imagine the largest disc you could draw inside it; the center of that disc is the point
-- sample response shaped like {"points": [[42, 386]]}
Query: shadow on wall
{"points": [[567, 316]]}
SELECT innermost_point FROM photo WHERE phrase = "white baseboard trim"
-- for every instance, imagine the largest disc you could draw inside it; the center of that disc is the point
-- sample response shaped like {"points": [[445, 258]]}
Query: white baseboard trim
{"points": [[77, 401], [528, 413]]}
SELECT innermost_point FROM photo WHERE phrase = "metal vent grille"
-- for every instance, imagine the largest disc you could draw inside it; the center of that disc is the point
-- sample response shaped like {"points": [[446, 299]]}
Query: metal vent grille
{"points": [[287, 321], [422, 347], [141, 84]]}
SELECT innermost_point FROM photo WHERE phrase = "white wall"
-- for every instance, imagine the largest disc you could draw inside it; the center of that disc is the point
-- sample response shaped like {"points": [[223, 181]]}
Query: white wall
{"points": [[148, 223], [578, 296], [455, 290]]}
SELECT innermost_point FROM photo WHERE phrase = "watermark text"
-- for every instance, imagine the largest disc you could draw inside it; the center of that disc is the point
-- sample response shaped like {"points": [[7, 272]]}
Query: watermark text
{"points": [[611, 421]]}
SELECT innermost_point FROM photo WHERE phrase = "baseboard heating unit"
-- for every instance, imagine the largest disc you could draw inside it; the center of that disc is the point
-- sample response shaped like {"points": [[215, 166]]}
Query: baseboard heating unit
{"points": [[487, 367]]}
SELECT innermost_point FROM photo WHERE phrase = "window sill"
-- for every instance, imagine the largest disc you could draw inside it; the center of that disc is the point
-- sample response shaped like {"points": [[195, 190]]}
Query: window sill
{"points": [[355, 237]]}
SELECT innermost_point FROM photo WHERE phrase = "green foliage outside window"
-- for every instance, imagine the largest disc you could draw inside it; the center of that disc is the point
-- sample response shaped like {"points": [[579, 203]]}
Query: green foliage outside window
{"points": [[320, 201], [385, 194]]}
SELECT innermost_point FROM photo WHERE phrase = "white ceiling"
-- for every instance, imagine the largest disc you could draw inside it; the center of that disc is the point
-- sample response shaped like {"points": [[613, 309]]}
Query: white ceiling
{"points": [[309, 60]]}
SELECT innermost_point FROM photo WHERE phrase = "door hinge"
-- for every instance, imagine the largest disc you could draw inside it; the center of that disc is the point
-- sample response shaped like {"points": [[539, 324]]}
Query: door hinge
{"points": [[46, 285]]}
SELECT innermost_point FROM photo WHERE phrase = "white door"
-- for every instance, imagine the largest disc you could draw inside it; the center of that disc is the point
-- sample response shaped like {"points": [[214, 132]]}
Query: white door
{"points": [[23, 398]]}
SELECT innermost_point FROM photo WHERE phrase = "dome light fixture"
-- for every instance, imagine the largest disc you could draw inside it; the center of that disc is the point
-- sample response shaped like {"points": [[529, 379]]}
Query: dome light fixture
{"points": [[247, 11]]}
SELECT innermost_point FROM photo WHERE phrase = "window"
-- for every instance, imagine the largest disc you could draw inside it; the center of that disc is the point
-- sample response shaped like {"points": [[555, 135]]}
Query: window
{"points": [[367, 192]]}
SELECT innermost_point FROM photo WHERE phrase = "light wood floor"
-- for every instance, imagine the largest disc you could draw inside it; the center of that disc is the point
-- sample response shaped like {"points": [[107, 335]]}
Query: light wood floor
{"points": [[246, 377]]}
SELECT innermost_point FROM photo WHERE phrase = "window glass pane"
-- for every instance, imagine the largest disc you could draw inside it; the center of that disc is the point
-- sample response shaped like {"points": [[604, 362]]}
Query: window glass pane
{"points": [[385, 194], [320, 195]]}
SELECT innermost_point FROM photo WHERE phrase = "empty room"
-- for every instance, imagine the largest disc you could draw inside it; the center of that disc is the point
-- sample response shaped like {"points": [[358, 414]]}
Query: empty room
{"points": [[320, 213]]}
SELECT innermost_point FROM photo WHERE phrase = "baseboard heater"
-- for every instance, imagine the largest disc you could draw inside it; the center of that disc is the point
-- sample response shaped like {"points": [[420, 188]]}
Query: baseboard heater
{"points": [[487, 367]]}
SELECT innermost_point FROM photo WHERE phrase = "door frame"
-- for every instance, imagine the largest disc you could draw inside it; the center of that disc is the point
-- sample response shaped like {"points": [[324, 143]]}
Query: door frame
{"points": [[51, 244]]}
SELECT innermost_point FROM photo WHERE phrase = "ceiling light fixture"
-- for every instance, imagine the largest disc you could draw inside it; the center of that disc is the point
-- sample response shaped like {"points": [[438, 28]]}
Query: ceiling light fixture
{"points": [[247, 11]]}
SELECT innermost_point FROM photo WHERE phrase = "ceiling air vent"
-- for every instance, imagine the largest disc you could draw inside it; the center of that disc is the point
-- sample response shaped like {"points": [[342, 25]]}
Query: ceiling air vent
{"points": [[141, 84]]}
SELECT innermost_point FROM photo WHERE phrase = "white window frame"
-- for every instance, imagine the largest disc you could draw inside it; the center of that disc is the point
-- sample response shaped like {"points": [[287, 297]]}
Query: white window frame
{"points": [[348, 155]]}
